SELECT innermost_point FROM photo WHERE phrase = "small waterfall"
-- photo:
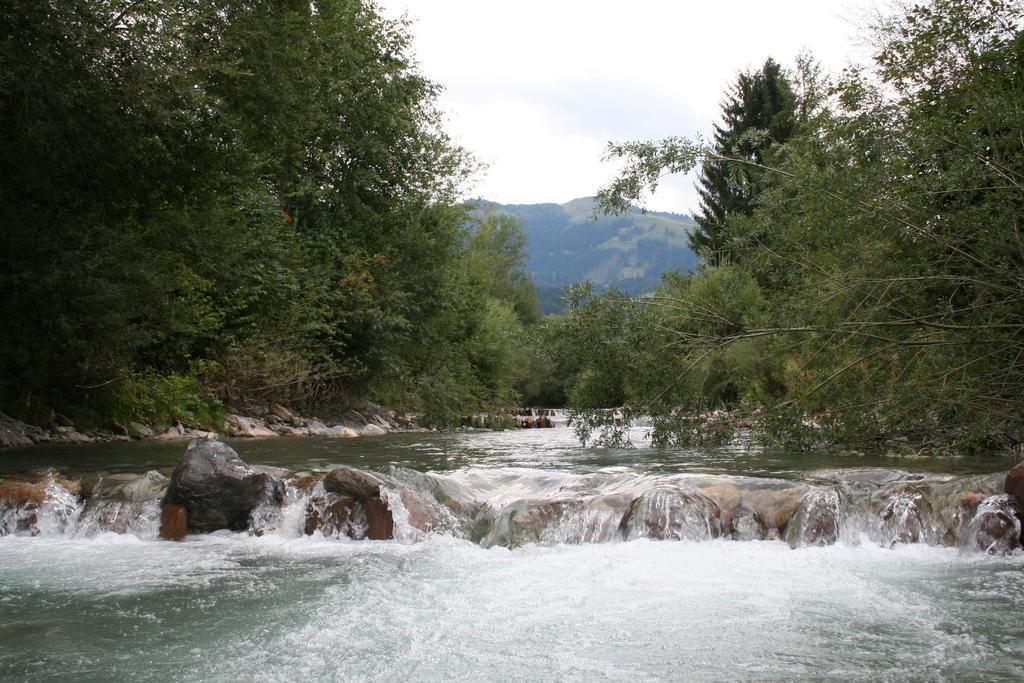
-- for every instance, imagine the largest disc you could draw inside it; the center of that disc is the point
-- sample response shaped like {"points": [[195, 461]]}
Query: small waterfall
{"points": [[901, 519], [529, 418], [996, 526], [141, 519], [595, 520], [666, 514], [404, 532], [327, 514], [43, 509], [816, 521]]}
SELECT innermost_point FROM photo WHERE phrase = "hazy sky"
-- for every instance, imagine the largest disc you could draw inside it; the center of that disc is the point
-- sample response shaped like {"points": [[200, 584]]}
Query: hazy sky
{"points": [[536, 89]]}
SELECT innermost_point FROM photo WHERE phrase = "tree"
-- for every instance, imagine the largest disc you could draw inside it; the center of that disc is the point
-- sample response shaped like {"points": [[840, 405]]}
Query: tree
{"points": [[758, 111], [254, 197], [889, 273]]}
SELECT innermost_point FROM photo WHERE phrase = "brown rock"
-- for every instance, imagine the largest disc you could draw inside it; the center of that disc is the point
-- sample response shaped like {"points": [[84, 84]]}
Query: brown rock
{"points": [[307, 482], [996, 527], [1014, 484], [330, 515], [285, 414], [380, 525], [422, 514], [72, 487], [667, 514], [250, 427], [173, 522], [349, 482], [21, 493], [9, 436], [743, 524]]}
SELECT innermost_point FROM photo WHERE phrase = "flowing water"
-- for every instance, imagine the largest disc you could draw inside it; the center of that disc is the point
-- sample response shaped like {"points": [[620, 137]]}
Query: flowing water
{"points": [[542, 561]]}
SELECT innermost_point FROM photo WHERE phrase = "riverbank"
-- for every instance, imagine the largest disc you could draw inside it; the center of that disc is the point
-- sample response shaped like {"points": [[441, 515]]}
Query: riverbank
{"points": [[363, 419]]}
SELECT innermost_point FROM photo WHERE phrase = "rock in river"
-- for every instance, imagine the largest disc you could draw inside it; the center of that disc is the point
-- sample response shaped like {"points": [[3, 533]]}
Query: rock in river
{"points": [[217, 488], [365, 489], [1014, 484], [816, 521], [996, 527], [349, 482]]}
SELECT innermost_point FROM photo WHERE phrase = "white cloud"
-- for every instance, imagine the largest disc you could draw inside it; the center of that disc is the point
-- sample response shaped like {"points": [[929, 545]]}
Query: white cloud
{"points": [[536, 89]]}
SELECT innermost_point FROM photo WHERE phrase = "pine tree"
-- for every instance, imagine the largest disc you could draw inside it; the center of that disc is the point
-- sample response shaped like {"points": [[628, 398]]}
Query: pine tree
{"points": [[758, 101]]}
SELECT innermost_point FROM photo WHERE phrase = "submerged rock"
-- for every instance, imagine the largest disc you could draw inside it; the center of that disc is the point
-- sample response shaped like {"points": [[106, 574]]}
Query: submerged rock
{"points": [[423, 514], [668, 514], [330, 514], [901, 519], [306, 482], [996, 527], [525, 521], [816, 521], [217, 488], [365, 488], [21, 493], [744, 524], [130, 489]]}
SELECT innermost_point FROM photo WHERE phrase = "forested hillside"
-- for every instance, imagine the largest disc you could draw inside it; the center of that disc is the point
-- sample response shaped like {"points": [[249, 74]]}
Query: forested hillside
{"points": [[568, 243]]}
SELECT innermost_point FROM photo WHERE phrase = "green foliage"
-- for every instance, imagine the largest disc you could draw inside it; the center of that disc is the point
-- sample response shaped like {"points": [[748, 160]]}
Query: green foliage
{"points": [[261, 186], [758, 111], [873, 289], [473, 350], [161, 400]]}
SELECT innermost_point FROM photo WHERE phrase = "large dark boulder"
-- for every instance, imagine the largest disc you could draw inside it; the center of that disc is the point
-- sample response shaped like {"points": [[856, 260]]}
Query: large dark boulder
{"points": [[217, 488]]}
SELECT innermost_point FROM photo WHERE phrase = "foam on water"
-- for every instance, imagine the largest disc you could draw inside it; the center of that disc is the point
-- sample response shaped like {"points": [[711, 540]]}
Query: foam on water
{"points": [[231, 606]]}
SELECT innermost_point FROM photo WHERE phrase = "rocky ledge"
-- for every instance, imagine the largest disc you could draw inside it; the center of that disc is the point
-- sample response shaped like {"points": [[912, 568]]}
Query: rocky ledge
{"points": [[213, 489]]}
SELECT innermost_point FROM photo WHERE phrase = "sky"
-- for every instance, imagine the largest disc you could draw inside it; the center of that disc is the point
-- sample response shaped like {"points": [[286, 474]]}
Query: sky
{"points": [[537, 89]]}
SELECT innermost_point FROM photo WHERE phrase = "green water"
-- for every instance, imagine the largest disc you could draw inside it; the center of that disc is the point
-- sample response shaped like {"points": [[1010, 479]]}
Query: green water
{"points": [[286, 607], [550, 449]]}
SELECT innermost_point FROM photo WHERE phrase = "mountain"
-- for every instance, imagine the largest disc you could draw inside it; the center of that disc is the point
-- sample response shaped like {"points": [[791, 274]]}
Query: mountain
{"points": [[629, 252]]}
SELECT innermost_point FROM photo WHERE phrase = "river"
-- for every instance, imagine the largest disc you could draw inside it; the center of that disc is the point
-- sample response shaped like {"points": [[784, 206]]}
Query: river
{"points": [[549, 586]]}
